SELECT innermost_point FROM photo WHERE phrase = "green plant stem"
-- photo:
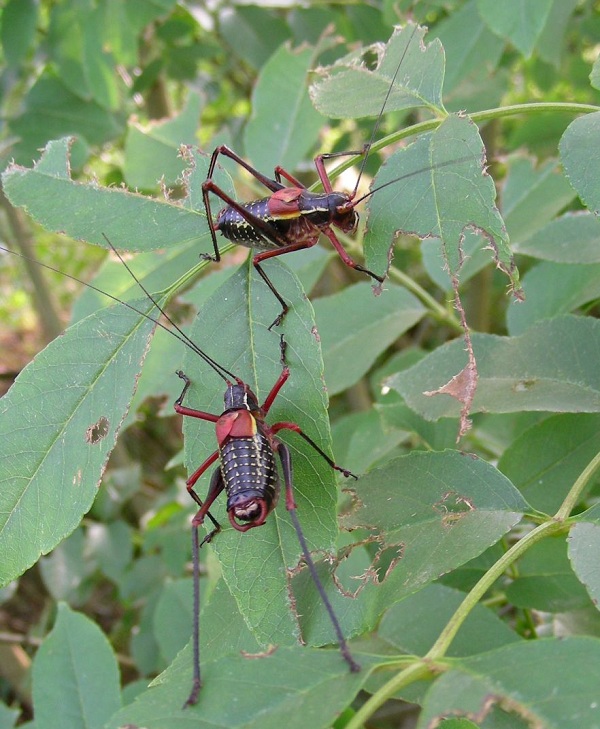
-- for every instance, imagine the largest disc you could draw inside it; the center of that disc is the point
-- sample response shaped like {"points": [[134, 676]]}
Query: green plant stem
{"points": [[438, 650], [575, 492], [478, 117], [425, 666], [552, 525], [190, 276], [437, 310], [441, 645], [409, 675]]}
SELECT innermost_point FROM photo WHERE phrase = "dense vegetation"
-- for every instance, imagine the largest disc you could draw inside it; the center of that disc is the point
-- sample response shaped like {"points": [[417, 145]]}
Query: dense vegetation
{"points": [[463, 561]]}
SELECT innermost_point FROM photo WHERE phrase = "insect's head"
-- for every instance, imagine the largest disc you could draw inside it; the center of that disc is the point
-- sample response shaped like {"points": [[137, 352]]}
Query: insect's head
{"points": [[343, 213], [239, 396], [248, 510]]}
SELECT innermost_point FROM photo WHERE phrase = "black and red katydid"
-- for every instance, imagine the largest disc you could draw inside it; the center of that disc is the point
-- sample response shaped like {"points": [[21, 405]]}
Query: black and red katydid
{"points": [[292, 218], [247, 472]]}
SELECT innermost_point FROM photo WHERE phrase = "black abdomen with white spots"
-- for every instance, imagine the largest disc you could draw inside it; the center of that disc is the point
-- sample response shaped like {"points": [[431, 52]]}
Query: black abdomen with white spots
{"points": [[249, 473], [285, 230]]}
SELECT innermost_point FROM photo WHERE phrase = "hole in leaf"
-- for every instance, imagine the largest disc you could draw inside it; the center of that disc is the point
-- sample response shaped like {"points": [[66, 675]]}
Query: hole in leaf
{"points": [[96, 432], [453, 507]]}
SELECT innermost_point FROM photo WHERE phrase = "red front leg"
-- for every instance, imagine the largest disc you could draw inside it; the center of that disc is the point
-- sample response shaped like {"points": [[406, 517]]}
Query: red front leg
{"points": [[281, 380], [190, 412], [346, 258]]}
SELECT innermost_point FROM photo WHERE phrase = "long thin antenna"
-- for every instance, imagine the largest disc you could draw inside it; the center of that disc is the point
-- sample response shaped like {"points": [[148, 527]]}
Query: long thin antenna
{"points": [[412, 174], [179, 334], [367, 147], [209, 360]]}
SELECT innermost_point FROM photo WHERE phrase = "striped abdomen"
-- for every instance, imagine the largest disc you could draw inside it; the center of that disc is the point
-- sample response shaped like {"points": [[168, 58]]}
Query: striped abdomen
{"points": [[250, 476], [288, 230]]}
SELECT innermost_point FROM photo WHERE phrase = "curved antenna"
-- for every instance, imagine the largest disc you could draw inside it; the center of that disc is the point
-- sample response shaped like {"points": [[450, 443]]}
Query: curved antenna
{"points": [[367, 147], [179, 334], [412, 174], [190, 342]]}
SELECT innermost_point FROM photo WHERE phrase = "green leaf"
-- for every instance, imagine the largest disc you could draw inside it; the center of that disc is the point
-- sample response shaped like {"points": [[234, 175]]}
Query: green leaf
{"points": [[58, 424], [546, 580], [223, 632], [283, 126], [519, 21], [292, 687], [253, 33], [580, 155], [75, 675], [142, 583], [571, 238], [360, 440], [396, 414], [51, 110], [515, 373], [349, 90], [17, 32], [591, 514], [472, 53], [449, 509], [545, 460], [310, 265], [356, 327], [552, 289], [468, 575], [173, 617], [112, 547], [551, 44], [76, 44], [436, 187], [532, 197], [156, 270], [539, 682], [584, 540], [414, 624], [473, 248], [151, 149], [254, 564], [67, 567], [86, 211]]}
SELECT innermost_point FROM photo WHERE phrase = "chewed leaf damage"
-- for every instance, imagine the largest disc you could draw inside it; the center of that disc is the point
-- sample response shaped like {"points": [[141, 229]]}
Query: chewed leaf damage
{"points": [[97, 431]]}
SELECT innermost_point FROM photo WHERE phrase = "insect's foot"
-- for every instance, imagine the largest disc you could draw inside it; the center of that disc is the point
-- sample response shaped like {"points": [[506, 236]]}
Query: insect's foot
{"points": [[378, 278], [192, 699], [348, 474], [276, 322], [354, 666], [208, 257], [347, 656], [209, 537]]}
